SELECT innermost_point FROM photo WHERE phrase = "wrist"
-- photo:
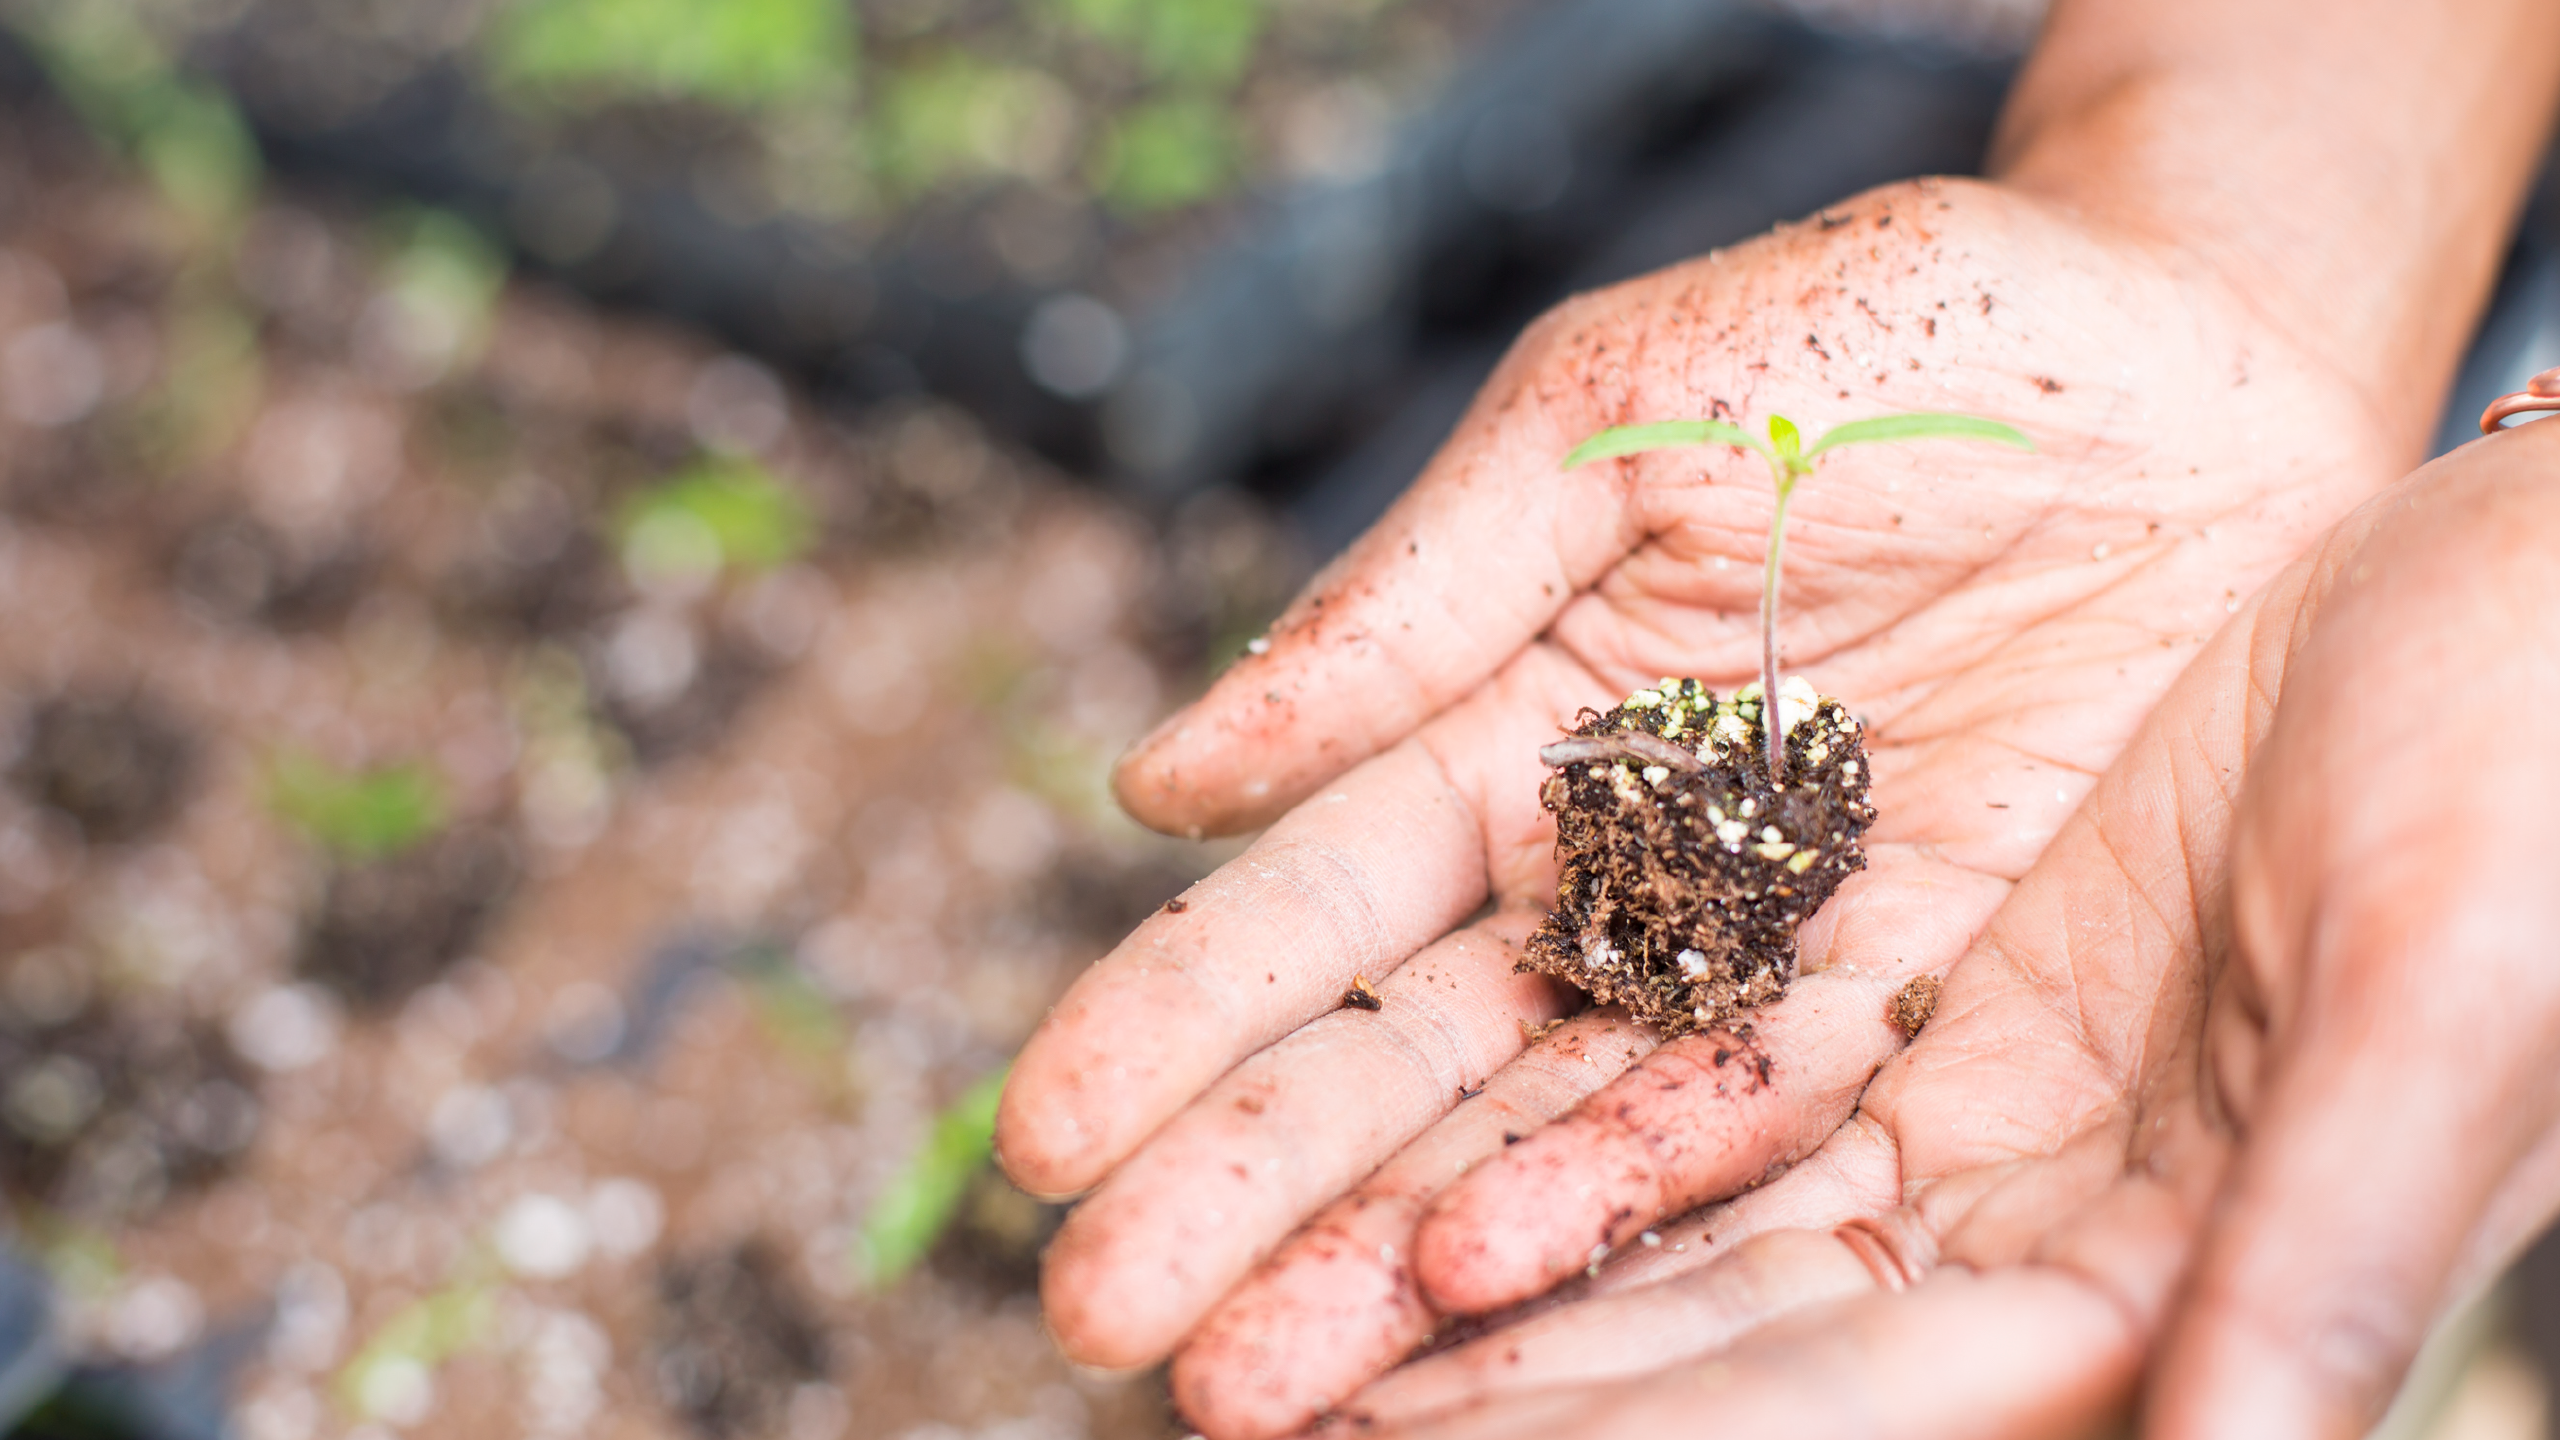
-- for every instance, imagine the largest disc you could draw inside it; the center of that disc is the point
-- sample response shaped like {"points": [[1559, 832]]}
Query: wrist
{"points": [[2352, 178]]}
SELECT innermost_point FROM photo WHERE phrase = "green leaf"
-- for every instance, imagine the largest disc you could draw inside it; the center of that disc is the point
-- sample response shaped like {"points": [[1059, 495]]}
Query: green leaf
{"points": [[359, 814], [920, 1200], [1787, 439], [1620, 440], [1923, 425]]}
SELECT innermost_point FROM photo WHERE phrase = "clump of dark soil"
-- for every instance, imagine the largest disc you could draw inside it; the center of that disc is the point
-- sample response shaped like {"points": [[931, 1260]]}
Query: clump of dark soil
{"points": [[390, 925], [105, 1111], [1685, 872], [733, 1340], [118, 765]]}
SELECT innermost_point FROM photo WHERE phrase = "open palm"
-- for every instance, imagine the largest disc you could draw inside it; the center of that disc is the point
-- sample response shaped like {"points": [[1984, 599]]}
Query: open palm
{"points": [[2256, 1056], [2002, 622]]}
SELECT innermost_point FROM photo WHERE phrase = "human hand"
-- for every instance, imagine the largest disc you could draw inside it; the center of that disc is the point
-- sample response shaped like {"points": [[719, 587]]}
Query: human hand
{"points": [[2263, 1128], [2002, 630], [2210, 387]]}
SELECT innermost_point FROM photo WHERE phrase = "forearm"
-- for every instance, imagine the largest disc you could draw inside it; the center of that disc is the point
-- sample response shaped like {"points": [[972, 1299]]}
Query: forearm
{"points": [[2351, 167]]}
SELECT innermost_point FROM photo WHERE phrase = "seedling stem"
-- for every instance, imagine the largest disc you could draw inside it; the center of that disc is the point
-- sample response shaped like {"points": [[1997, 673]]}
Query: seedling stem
{"points": [[1790, 460]]}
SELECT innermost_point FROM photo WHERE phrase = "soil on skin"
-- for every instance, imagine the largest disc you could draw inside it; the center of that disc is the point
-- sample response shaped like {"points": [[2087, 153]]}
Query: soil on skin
{"points": [[734, 1341], [1685, 874], [387, 927], [1913, 1004], [119, 766]]}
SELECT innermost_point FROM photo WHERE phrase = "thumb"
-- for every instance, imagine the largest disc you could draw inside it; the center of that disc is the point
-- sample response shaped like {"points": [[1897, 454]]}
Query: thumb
{"points": [[1470, 565], [2347, 1222], [2390, 897]]}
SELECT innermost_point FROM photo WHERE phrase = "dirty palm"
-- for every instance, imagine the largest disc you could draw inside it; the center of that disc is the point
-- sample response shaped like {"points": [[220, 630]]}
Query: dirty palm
{"points": [[1294, 1193]]}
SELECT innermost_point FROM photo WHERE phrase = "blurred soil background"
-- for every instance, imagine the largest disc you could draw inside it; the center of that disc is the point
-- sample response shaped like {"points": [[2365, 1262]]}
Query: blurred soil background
{"points": [[572, 572]]}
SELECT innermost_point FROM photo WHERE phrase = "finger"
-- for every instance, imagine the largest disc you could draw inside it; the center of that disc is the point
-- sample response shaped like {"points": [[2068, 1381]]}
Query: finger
{"points": [[1468, 566], [1708, 1114], [1857, 1172], [2382, 1038], [2091, 1235], [1145, 1256], [1691, 1287], [2356, 1201], [1349, 884], [2028, 1351], [1493, 540], [1629, 1332], [1336, 1304]]}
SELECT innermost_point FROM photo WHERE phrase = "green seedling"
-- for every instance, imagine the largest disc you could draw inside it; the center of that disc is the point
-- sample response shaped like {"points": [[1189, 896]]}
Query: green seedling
{"points": [[357, 814], [922, 1198], [1790, 460]]}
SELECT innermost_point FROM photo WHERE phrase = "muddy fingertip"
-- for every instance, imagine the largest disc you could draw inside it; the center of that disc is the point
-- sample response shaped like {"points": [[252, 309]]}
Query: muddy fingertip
{"points": [[1466, 1262], [1038, 1146], [1091, 1321], [1147, 788]]}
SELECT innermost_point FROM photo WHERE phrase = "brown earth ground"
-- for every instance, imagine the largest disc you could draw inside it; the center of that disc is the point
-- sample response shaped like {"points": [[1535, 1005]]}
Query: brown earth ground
{"points": [[791, 855]]}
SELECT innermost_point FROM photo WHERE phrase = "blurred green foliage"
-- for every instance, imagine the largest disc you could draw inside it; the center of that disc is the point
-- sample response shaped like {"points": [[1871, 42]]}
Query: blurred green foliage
{"points": [[954, 114], [1199, 42], [208, 387], [441, 262], [424, 1333], [1140, 101], [357, 814], [799, 1018], [117, 73], [725, 513], [843, 106], [80, 1258], [442, 277], [1168, 153], [741, 53], [921, 1200]]}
